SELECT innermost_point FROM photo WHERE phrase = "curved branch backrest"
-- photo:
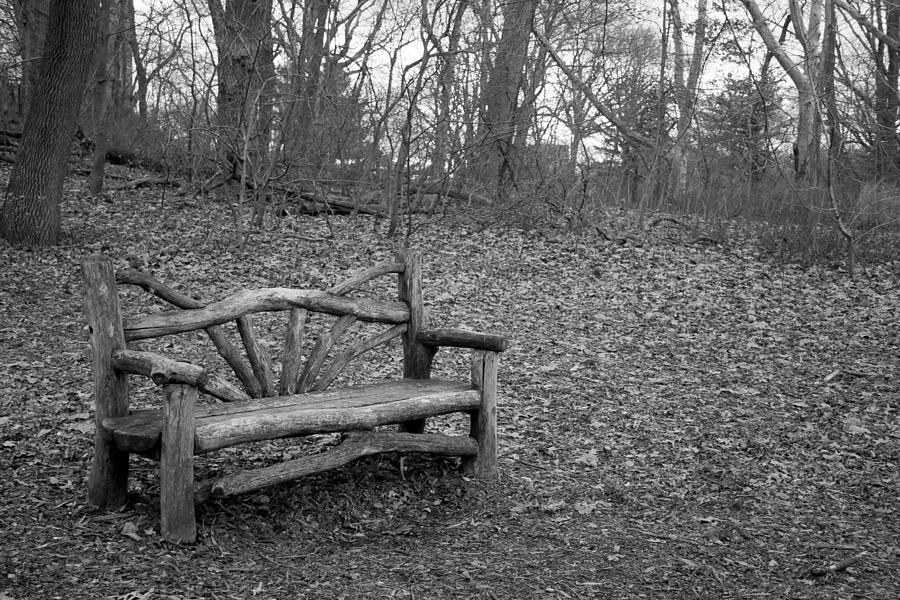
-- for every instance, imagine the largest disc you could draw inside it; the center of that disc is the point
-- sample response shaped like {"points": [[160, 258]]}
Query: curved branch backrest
{"points": [[255, 372]]}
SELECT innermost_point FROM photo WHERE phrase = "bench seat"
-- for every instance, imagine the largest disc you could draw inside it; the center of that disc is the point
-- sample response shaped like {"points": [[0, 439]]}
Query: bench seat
{"points": [[360, 407]]}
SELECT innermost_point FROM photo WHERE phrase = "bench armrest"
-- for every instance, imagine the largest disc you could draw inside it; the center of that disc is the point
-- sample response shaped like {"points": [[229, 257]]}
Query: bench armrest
{"points": [[463, 338], [160, 369], [163, 370]]}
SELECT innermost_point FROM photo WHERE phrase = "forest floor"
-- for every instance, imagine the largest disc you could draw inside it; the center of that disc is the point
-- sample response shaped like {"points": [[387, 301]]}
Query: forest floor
{"points": [[676, 421]]}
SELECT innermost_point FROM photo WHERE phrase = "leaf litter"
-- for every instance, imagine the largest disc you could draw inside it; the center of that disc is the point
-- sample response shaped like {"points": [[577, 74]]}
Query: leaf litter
{"points": [[675, 422]]}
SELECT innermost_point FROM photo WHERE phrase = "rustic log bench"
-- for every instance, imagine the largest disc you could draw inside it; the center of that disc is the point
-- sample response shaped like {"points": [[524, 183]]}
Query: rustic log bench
{"points": [[299, 404]]}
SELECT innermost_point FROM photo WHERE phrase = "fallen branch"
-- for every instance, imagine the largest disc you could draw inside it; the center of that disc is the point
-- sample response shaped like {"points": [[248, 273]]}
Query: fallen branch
{"points": [[659, 220], [619, 239], [335, 204], [836, 567], [700, 238], [439, 188]]}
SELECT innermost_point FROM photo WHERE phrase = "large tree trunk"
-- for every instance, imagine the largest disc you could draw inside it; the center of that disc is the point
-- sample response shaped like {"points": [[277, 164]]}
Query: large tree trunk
{"points": [[499, 98], [30, 211], [242, 30]]}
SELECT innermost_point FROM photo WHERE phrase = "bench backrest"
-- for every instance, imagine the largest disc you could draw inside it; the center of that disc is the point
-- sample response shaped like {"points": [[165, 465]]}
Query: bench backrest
{"points": [[403, 318]]}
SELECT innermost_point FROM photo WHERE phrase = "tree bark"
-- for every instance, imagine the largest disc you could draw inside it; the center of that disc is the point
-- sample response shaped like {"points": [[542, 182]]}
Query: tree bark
{"points": [[139, 69], [242, 30], [500, 97], [887, 65], [32, 24], [686, 90], [30, 213], [102, 96]]}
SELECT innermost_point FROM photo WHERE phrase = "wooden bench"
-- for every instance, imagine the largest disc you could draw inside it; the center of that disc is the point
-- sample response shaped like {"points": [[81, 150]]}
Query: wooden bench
{"points": [[300, 403]]}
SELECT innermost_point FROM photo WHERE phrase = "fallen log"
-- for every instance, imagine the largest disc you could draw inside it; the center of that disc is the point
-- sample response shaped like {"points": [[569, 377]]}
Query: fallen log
{"points": [[441, 189]]}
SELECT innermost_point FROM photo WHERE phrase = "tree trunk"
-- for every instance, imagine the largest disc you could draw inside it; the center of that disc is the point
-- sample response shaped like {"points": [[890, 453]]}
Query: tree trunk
{"points": [[313, 49], [242, 29], [806, 155], [32, 24], [685, 90], [499, 98], [446, 84], [122, 64], [30, 213], [887, 62], [102, 93], [139, 69]]}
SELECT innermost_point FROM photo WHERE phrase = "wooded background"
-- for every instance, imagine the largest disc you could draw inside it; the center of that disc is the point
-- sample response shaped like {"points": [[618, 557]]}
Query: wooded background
{"points": [[539, 111]]}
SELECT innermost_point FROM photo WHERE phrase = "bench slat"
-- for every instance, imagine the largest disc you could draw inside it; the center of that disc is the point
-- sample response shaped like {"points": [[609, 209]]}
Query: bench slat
{"points": [[262, 300], [354, 408]]}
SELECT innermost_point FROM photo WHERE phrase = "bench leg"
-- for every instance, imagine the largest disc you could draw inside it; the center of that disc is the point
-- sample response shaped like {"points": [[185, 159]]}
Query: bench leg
{"points": [[108, 481], [176, 465], [484, 420]]}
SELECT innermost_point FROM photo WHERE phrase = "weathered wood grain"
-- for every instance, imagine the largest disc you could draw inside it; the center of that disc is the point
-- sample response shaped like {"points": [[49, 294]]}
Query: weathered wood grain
{"points": [[216, 334], [355, 281], [291, 358], [176, 465], [484, 420], [342, 360], [320, 351], [416, 356], [108, 481], [257, 355], [358, 407], [262, 300], [161, 369], [463, 338], [222, 389]]}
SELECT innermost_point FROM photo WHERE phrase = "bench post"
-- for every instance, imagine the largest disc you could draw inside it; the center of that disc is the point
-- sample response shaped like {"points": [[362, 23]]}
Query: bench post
{"points": [[176, 464], [484, 420], [108, 481], [416, 356]]}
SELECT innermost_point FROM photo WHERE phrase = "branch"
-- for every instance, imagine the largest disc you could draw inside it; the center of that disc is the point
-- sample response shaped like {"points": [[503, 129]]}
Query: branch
{"points": [[862, 20], [801, 81], [587, 91]]}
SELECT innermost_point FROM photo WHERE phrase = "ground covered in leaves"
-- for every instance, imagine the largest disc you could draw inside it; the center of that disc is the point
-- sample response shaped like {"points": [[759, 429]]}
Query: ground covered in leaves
{"points": [[677, 421]]}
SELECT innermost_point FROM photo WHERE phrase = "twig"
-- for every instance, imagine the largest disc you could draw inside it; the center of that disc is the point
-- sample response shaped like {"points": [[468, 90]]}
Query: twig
{"points": [[837, 567]]}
